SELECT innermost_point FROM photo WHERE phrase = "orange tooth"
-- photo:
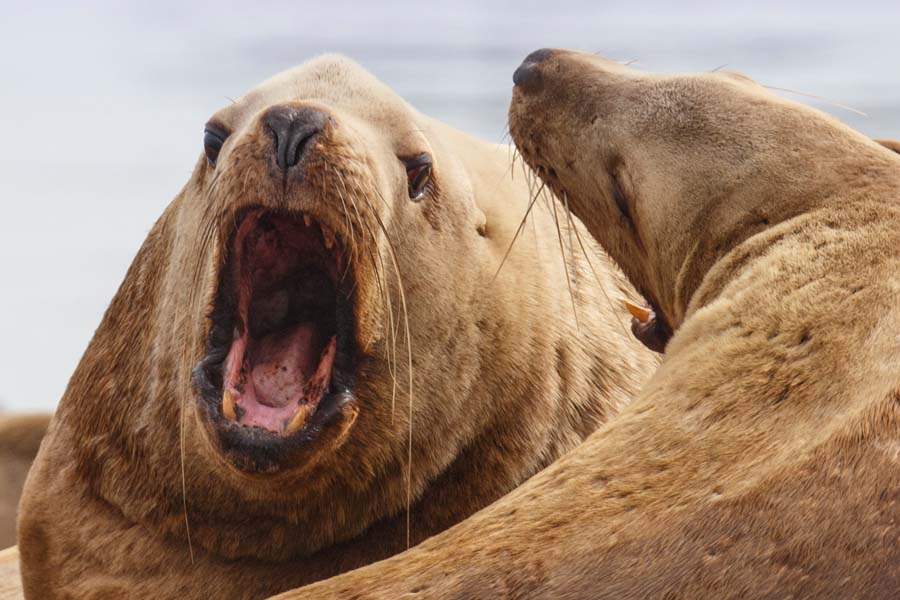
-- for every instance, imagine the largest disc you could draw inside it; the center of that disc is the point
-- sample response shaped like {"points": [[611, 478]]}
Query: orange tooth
{"points": [[328, 236], [307, 220], [298, 420], [638, 312], [228, 406]]}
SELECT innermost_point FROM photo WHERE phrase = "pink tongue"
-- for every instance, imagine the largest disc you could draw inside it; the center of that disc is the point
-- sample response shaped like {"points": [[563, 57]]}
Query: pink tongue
{"points": [[282, 364]]}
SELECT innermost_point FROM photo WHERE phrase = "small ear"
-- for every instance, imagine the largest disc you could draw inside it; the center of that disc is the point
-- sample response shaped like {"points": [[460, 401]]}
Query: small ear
{"points": [[890, 145]]}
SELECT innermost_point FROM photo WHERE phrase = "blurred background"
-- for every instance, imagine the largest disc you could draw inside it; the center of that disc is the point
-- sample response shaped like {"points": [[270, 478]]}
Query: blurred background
{"points": [[103, 104]]}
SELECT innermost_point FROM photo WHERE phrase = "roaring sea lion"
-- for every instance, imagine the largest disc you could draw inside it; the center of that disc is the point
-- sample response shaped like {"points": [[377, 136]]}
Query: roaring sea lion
{"points": [[240, 423], [20, 438], [762, 459]]}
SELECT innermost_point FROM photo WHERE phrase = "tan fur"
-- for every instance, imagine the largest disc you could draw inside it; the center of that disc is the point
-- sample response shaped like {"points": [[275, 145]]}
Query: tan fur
{"points": [[504, 383], [762, 460], [20, 438], [10, 582], [890, 144]]}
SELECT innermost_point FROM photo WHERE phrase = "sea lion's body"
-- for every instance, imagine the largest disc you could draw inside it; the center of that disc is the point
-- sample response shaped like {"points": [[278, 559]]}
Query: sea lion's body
{"points": [[762, 460], [504, 382]]}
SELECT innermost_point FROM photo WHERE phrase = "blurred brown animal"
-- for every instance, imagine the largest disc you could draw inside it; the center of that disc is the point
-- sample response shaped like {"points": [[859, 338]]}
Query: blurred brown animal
{"points": [[20, 438]]}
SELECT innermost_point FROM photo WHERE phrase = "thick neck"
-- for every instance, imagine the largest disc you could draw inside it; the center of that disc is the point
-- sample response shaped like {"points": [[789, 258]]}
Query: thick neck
{"points": [[810, 233], [751, 217]]}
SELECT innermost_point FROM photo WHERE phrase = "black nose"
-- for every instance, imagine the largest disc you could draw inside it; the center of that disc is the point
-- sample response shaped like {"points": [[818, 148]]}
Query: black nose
{"points": [[293, 128], [528, 75]]}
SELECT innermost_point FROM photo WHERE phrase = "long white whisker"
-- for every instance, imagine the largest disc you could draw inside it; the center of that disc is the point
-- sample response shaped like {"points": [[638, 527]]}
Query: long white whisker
{"points": [[565, 266], [516, 235], [600, 284], [400, 287]]}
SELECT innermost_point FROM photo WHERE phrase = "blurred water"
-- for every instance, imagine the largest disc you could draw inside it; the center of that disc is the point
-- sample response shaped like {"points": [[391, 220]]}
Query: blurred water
{"points": [[102, 108]]}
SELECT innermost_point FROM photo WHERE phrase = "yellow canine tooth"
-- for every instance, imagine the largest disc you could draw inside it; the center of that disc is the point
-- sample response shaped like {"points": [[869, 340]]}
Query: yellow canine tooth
{"points": [[307, 220], [298, 420], [228, 406], [328, 236], [638, 312]]}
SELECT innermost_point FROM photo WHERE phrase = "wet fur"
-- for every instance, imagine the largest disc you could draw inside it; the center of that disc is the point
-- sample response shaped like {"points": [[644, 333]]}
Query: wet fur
{"points": [[762, 460], [504, 383]]}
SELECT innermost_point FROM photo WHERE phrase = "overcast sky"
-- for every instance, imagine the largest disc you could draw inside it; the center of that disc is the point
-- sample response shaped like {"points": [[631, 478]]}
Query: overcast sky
{"points": [[102, 107]]}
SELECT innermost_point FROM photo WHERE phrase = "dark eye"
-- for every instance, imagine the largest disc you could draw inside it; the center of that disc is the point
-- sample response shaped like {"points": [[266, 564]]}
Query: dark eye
{"points": [[618, 193], [418, 173], [213, 138]]}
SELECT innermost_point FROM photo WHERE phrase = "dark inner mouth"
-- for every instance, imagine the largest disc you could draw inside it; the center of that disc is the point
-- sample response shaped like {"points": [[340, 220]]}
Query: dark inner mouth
{"points": [[280, 350], [652, 330]]}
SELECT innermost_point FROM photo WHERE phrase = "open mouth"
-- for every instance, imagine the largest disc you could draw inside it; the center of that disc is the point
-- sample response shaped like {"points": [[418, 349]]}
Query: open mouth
{"points": [[281, 348]]}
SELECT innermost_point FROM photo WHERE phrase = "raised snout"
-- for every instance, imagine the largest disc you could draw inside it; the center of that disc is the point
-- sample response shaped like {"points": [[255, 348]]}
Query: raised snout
{"points": [[529, 76]]}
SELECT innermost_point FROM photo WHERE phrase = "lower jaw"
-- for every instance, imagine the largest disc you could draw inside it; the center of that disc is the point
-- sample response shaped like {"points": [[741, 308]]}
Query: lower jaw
{"points": [[298, 391], [258, 451]]}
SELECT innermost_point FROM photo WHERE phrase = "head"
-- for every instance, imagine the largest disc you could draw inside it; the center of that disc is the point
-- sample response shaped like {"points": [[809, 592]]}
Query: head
{"points": [[312, 188], [316, 294], [670, 172], [332, 207]]}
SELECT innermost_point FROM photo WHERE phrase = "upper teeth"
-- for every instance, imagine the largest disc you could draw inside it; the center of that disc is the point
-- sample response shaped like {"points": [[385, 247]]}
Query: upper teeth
{"points": [[328, 235]]}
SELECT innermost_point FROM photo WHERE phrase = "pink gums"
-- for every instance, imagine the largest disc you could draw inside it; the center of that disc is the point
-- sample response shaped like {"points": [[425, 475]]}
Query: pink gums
{"points": [[280, 377]]}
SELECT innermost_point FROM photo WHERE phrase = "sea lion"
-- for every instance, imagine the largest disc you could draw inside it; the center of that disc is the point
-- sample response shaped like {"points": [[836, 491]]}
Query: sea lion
{"points": [[330, 239], [893, 145], [762, 459], [20, 438]]}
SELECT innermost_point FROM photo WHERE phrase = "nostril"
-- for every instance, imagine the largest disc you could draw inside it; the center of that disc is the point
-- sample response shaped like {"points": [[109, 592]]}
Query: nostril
{"points": [[524, 74], [528, 75], [294, 147], [292, 128]]}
